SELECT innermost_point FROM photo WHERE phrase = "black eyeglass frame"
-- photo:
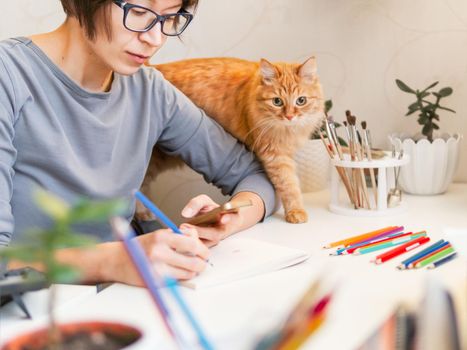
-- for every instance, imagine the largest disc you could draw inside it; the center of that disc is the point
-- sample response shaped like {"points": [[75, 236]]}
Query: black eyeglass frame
{"points": [[159, 18]]}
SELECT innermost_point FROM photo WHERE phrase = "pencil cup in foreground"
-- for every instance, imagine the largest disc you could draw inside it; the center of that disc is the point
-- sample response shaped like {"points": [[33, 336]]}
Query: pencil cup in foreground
{"points": [[433, 164], [352, 192], [313, 166]]}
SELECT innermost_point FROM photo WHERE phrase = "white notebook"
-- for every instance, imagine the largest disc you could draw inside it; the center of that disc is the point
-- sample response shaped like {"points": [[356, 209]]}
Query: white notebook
{"points": [[237, 258]]}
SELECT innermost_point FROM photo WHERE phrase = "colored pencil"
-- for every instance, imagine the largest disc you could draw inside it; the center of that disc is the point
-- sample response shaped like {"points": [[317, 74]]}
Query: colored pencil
{"points": [[436, 251], [157, 212], [122, 228], [380, 236], [359, 238], [404, 264], [351, 249], [441, 254], [442, 261], [142, 265], [401, 249], [388, 244], [302, 331]]}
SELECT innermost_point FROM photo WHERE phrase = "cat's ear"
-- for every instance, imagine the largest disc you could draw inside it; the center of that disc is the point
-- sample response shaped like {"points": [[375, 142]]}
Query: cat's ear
{"points": [[307, 70], [268, 71]]}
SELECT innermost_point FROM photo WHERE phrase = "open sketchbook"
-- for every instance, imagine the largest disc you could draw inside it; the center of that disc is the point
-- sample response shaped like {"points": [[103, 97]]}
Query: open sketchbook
{"points": [[237, 258]]}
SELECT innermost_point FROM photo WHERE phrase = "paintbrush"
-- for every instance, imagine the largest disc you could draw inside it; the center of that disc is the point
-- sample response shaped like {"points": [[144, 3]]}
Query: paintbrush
{"points": [[369, 157], [359, 157]]}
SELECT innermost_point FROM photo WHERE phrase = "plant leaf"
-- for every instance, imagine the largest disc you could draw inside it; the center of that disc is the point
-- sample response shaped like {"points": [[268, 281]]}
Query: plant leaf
{"points": [[404, 87], [444, 92], [52, 205], [431, 86], [90, 211], [342, 141], [327, 106], [447, 109], [423, 94], [26, 253], [64, 274]]}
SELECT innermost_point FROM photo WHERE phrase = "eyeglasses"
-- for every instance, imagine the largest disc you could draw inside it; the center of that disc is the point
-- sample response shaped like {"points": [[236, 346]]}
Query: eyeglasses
{"points": [[141, 19]]}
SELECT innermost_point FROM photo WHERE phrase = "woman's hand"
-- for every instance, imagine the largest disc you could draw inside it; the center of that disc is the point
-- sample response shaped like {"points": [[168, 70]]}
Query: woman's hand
{"points": [[178, 256], [228, 223]]}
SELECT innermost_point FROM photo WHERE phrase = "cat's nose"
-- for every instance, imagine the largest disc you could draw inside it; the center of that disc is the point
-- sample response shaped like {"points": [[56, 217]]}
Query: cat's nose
{"points": [[290, 116]]}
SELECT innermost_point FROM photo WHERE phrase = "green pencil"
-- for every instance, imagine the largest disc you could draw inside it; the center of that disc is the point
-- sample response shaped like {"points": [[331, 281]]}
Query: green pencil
{"points": [[435, 257], [388, 244]]}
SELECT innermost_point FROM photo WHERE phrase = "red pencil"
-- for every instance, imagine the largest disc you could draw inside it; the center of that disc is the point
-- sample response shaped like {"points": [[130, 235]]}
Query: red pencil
{"points": [[401, 249]]}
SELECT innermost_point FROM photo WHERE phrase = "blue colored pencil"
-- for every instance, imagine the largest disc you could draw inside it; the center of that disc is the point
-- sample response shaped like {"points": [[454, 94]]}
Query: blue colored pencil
{"points": [[157, 212], [123, 231], [404, 264], [442, 261], [172, 283]]}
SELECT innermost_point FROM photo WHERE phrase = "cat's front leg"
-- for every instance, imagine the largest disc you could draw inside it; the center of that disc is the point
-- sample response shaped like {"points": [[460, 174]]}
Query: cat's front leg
{"points": [[282, 173]]}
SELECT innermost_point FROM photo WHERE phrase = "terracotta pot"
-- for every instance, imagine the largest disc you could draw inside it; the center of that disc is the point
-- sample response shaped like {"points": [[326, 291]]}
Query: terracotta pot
{"points": [[38, 339]]}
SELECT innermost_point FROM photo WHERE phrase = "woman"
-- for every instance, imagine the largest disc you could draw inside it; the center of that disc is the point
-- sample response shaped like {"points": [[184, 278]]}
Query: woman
{"points": [[79, 115]]}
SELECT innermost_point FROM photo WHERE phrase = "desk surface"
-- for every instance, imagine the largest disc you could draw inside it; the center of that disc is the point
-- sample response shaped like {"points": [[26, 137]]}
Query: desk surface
{"points": [[236, 314]]}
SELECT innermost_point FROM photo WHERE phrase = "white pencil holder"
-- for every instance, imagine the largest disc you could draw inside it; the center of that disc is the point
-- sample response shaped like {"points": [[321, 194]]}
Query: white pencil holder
{"points": [[385, 181]]}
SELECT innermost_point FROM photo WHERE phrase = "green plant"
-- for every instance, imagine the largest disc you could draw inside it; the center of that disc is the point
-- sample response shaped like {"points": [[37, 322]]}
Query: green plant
{"points": [[428, 115], [41, 245], [315, 135]]}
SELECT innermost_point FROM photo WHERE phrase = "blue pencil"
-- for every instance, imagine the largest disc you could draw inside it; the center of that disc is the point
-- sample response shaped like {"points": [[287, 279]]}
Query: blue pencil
{"points": [[403, 265], [442, 261], [157, 212], [122, 230], [172, 283]]}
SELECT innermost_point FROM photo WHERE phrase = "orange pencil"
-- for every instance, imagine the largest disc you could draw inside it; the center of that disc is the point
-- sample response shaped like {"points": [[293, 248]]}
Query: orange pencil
{"points": [[351, 240]]}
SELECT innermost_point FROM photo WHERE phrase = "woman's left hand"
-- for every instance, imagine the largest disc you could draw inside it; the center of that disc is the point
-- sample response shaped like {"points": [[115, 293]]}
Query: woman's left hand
{"points": [[228, 223]]}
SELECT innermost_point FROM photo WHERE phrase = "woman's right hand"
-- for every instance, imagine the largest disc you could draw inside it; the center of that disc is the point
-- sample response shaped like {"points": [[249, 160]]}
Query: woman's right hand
{"points": [[178, 256]]}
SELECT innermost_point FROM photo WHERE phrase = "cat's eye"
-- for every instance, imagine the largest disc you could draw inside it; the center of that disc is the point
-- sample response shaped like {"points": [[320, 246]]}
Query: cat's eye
{"points": [[276, 101], [301, 101]]}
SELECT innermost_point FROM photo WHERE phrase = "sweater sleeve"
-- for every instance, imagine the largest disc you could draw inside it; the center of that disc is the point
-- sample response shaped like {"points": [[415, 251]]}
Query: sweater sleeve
{"points": [[7, 154], [207, 148]]}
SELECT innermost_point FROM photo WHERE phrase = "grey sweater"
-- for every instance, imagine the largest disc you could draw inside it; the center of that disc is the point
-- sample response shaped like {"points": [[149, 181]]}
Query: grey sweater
{"points": [[56, 135]]}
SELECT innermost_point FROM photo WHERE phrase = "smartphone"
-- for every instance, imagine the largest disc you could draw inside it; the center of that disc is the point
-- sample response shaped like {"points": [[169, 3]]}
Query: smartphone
{"points": [[214, 215]]}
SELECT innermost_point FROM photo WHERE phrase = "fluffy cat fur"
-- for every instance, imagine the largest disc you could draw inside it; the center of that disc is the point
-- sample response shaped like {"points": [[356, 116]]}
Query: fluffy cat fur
{"points": [[272, 108]]}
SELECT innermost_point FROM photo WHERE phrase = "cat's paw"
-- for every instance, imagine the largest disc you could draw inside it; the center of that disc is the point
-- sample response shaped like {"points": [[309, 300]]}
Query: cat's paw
{"points": [[296, 216]]}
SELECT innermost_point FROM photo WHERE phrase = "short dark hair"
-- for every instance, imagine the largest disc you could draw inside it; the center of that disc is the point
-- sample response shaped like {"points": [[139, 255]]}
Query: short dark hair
{"points": [[90, 12]]}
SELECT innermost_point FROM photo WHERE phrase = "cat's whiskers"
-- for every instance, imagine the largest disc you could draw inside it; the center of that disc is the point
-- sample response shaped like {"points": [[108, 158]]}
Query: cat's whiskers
{"points": [[259, 125]]}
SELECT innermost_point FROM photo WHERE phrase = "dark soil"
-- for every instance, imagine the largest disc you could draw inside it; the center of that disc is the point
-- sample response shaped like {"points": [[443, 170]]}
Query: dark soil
{"points": [[91, 341]]}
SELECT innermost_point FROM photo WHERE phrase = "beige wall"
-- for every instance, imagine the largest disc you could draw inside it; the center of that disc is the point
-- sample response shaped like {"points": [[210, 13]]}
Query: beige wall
{"points": [[361, 46]]}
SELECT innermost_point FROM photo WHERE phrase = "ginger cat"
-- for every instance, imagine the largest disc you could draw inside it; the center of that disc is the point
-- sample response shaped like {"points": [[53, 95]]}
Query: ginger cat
{"points": [[272, 108]]}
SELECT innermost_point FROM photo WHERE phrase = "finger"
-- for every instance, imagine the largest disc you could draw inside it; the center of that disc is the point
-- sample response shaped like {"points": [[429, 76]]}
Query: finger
{"points": [[226, 218], [212, 233], [162, 253], [197, 204], [188, 245], [189, 230]]}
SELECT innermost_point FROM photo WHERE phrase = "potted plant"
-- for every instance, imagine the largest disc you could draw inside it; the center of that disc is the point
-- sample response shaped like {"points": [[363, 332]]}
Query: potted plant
{"points": [[40, 247], [433, 156], [313, 163]]}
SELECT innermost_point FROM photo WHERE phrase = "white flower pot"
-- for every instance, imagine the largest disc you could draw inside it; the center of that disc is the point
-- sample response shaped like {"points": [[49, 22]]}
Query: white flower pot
{"points": [[432, 164], [313, 166]]}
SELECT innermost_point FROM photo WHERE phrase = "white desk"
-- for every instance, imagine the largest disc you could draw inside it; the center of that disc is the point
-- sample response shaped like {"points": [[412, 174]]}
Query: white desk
{"points": [[235, 314]]}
